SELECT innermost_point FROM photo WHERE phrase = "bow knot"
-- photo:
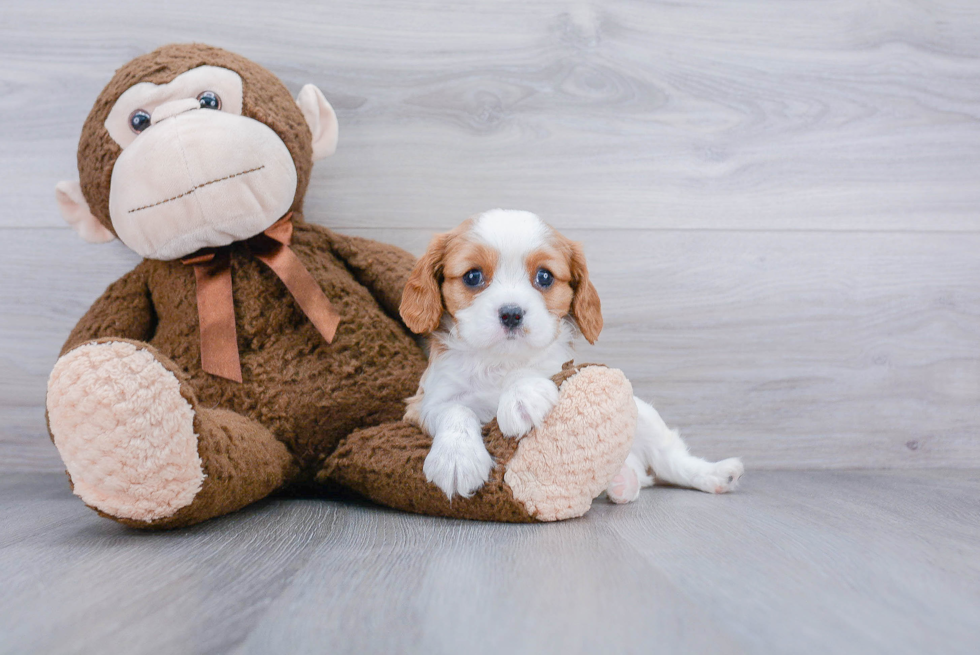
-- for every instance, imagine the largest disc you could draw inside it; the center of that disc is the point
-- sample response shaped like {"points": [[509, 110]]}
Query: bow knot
{"points": [[216, 306]]}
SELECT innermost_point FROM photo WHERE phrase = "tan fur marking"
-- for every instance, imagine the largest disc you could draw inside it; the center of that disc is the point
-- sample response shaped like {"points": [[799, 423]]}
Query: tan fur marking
{"points": [[421, 306], [557, 297], [422, 303], [586, 308], [463, 255], [552, 258]]}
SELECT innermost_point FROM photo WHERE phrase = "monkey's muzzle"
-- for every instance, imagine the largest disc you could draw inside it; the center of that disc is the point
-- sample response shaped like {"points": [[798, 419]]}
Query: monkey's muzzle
{"points": [[199, 179]]}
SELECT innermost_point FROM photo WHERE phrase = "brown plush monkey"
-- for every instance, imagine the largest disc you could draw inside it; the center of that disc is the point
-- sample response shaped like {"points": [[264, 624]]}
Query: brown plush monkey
{"points": [[250, 350]]}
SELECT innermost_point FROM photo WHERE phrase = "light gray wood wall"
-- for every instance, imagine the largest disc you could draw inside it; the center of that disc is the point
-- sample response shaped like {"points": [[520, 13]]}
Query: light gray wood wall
{"points": [[780, 200]]}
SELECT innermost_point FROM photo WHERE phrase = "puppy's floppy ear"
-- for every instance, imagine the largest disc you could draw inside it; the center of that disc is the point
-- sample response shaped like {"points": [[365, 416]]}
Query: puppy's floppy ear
{"points": [[421, 307], [586, 309]]}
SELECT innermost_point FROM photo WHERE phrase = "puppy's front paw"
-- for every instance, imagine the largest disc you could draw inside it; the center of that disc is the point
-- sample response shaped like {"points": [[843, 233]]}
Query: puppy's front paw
{"points": [[722, 477], [525, 405], [458, 464]]}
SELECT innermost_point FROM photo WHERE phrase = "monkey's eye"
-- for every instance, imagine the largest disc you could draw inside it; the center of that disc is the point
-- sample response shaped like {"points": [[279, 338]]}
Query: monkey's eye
{"points": [[139, 120], [544, 278], [209, 100], [473, 278]]}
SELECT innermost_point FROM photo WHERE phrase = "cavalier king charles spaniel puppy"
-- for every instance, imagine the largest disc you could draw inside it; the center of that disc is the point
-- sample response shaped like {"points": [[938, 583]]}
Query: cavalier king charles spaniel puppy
{"points": [[503, 297]]}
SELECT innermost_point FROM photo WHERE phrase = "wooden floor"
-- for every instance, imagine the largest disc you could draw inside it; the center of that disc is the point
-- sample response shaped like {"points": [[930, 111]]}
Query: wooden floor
{"points": [[794, 562]]}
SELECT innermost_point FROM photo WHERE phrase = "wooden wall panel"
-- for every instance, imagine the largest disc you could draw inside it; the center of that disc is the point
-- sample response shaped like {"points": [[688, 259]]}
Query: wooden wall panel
{"points": [[750, 115], [780, 201], [793, 349]]}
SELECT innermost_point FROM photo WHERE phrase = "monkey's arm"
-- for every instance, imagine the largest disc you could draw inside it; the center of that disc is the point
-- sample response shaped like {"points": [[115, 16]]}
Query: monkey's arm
{"points": [[382, 268], [124, 310]]}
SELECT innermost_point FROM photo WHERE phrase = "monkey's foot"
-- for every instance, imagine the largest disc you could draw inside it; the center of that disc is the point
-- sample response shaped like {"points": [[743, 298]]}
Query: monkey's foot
{"points": [[125, 431], [569, 460]]}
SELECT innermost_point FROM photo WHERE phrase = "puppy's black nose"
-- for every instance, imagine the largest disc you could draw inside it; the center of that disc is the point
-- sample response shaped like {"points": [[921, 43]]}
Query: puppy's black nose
{"points": [[511, 316]]}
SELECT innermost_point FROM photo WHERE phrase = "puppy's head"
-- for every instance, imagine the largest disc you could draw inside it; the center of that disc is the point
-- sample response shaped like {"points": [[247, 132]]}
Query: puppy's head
{"points": [[507, 280]]}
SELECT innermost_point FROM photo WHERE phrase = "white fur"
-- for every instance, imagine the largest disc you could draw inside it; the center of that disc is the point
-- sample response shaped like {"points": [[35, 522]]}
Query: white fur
{"points": [[659, 449], [458, 461], [514, 235], [482, 370]]}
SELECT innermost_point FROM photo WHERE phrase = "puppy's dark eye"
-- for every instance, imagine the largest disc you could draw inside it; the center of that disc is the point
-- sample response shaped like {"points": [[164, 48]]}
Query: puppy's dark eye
{"points": [[209, 100], [473, 278], [544, 278], [139, 120]]}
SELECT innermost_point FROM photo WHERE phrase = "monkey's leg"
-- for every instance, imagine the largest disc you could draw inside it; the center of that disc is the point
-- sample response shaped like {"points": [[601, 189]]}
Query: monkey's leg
{"points": [[139, 449], [552, 473]]}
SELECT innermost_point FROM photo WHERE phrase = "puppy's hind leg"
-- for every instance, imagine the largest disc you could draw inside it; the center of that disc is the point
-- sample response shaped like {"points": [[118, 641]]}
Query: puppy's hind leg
{"points": [[661, 449], [625, 487]]}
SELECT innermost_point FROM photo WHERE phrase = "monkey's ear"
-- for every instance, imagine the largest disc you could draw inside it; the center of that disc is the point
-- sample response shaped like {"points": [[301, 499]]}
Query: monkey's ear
{"points": [[76, 213], [321, 118]]}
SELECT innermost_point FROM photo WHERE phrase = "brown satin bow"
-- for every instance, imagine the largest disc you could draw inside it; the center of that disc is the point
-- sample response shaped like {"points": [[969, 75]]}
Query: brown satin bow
{"points": [[216, 307]]}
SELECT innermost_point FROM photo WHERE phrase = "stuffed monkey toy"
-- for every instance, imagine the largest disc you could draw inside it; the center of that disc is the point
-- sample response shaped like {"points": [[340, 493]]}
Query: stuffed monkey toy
{"points": [[252, 351]]}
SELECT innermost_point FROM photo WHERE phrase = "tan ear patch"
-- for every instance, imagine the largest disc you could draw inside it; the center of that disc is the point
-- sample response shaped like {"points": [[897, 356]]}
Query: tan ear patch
{"points": [[585, 308], [421, 306], [557, 297]]}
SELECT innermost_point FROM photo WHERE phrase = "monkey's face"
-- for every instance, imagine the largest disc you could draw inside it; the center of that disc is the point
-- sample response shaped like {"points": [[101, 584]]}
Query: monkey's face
{"points": [[194, 172], [194, 158]]}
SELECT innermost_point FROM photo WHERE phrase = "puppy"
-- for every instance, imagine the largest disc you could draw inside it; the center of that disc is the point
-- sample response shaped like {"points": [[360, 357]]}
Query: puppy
{"points": [[503, 297]]}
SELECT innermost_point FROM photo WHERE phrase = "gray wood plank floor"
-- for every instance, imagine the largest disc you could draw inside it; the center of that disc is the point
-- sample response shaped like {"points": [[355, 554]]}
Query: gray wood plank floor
{"points": [[794, 562]]}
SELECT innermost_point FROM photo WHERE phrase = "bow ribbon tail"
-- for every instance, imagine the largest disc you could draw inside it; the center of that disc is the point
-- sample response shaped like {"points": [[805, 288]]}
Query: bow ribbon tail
{"points": [[304, 289], [216, 305], [216, 314]]}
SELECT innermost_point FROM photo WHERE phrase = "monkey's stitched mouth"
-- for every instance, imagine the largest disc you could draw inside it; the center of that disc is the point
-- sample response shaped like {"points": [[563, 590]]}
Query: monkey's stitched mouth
{"points": [[199, 186]]}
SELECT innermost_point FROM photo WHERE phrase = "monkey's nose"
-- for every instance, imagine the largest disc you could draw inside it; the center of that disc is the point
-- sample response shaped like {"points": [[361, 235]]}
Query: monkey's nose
{"points": [[172, 108], [511, 316]]}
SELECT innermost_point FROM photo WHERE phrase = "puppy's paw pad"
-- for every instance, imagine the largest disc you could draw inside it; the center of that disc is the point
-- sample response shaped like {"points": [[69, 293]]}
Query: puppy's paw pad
{"points": [[625, 487], [723, 477]]}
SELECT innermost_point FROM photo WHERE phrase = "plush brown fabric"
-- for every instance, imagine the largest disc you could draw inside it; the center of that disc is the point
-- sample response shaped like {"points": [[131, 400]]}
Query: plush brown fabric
{"points": [[384, 464], [300, 396], [309, 393], [243, 461], [307, 412]]}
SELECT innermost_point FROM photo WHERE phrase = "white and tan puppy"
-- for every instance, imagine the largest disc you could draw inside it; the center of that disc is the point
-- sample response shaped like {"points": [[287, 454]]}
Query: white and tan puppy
{"points": [[503, 297]]}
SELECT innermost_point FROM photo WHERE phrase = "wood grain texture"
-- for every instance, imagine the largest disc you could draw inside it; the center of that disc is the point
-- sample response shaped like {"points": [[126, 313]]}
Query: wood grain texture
{"points": [[827, 553], [750, 115], [779, 199], [791, 349], [801, 562]]}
